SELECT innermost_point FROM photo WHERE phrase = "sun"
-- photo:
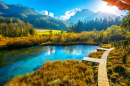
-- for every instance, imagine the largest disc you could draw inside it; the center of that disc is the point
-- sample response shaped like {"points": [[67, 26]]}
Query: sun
{"points": [[109, 9]]}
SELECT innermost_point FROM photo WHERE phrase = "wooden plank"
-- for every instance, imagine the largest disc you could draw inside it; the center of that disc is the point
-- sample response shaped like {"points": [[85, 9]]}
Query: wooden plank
{"points": [[91, 59]]}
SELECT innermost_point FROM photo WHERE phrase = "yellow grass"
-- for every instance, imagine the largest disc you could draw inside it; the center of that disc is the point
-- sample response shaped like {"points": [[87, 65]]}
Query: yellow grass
{"points": [[46, 31], [4, 41], [106, 46]]}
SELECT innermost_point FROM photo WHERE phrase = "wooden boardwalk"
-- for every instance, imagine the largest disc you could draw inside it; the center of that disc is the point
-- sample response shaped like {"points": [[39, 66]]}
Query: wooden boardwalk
{"points": [[102, 71]]}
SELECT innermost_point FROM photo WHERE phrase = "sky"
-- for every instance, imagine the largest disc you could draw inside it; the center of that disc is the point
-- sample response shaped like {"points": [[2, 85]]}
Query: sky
{"points": [[64, 9]]}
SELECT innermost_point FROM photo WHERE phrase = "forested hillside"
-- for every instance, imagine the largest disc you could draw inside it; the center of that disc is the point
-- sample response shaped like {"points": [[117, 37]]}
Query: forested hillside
{"points": [[6, 19], [25, 13]]}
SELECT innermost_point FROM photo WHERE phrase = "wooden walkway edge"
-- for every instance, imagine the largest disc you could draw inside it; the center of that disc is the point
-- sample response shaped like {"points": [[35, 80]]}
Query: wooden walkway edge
{"points": [[102, 70]]}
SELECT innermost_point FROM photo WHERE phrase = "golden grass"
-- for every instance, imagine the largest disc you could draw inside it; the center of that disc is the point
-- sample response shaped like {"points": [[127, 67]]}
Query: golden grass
{"points": [[106, 45], [46, 31], [97, 54], [5, 41], [118, 69], [21, 42]]}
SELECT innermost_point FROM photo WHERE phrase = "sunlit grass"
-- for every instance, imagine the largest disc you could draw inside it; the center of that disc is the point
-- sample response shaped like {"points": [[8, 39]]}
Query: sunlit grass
{"points": [[4, 41], [46, 31], [105, 45], [97, 54]]}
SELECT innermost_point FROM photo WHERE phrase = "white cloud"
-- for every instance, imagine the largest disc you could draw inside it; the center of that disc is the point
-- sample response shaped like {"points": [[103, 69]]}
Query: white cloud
{"points": [[44, 12], [57, 18], [68, 14], [51, 14]]}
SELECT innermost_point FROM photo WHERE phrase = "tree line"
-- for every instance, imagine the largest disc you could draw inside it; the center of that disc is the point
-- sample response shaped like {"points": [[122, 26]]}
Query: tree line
{"points": [[98, 24], [11, 29]]}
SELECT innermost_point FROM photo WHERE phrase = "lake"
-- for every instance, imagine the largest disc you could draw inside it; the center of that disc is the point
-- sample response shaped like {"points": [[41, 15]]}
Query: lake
{"points": [[22, 61]]}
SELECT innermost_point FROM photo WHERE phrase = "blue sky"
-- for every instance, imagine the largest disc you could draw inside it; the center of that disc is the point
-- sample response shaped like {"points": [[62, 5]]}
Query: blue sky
{"points": [[63, 8]]}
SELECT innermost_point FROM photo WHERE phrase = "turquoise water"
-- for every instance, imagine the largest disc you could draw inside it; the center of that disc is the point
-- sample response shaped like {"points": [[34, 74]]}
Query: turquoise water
{"points": [[22, 61]]}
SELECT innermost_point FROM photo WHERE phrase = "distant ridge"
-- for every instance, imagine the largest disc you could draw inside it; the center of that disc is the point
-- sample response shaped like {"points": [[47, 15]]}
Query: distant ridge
{"points": [[85, 15], [9, 9]]}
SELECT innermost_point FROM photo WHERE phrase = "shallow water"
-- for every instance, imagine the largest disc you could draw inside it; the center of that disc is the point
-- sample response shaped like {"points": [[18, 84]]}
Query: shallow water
{"points": [[22, 61]]}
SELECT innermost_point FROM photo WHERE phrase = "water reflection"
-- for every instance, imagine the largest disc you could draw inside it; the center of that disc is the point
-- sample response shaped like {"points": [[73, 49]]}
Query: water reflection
{"points": [[72, 50], [50, 50], [9, 57]]}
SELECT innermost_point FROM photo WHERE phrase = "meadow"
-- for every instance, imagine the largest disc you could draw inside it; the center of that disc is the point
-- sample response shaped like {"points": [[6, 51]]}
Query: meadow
{"points": [[47, 31]]}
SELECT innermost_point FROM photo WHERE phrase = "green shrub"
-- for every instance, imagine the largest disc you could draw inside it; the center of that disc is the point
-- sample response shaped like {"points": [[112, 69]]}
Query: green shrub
{"points": [[114, 77], [127, 72], [1, 37], [109, 70], [109, 64]]}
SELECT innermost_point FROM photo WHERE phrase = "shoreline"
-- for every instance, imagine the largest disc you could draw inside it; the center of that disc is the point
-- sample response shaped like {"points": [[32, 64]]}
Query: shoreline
{"points": [[6, 47]]}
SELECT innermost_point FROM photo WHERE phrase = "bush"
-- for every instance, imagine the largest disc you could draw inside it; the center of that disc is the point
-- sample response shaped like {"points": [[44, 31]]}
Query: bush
{"points": [[32, 31], [1, 37], [127, 72]]}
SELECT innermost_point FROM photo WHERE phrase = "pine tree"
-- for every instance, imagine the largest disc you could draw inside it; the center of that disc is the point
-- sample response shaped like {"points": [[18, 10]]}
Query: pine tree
{"points": [[62, 30], [50, 31], [9, 21]]}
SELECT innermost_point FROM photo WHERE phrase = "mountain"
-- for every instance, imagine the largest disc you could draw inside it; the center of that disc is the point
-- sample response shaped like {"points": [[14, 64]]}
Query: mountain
{"points": [[80, 15], [16, 9], [25, 13], [85, 15]]}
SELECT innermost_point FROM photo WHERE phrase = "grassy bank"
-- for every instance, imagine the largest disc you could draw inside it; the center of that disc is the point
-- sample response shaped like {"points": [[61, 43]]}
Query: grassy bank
{"points": [[22, 42], [45, 39]]}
